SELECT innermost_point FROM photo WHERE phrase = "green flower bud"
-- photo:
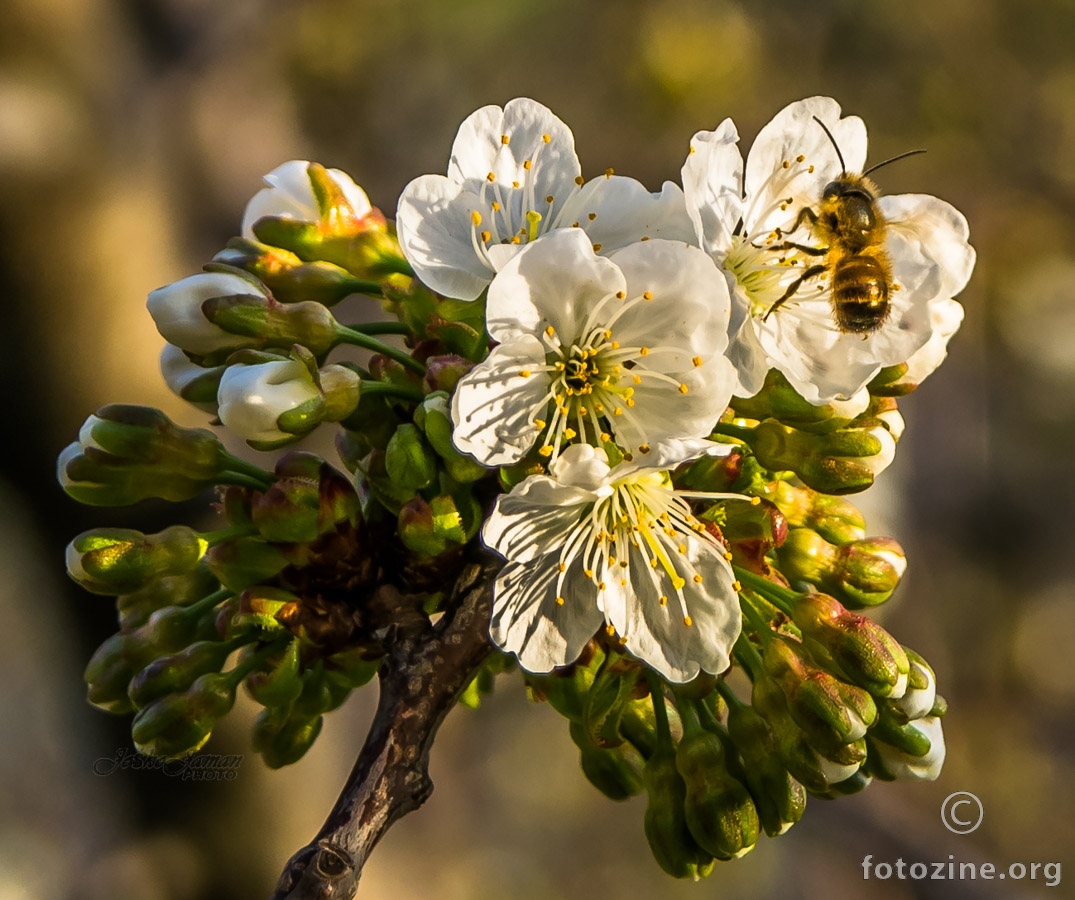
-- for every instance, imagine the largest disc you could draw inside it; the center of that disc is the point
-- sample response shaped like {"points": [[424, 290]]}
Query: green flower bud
{"points": [[263, 609], [109, 672], [834, 518], [665, 823], [435, 420], [779, 799], [443, 372], [196, 384], [440, 525], [172, 590], [281, 685], [828, 711], [613, 689], [849, 786], [867, 571], [409, 460], [816, 771], [273, 403], [241, 562], [616, 773], [177, 671], [913, 751], [840, 462], [180, 724], [718, 809], [309, 498], [263, 322], [779, 400], [354, 666], [867, 654], [119, 560], [128, 453], [282, 740], [751, 528], [317, 696], [712, 473], [289, 278]]}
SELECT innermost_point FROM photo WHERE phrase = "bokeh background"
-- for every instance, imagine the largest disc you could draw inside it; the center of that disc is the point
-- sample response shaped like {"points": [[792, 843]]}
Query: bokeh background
{"points": [[132, 133]]}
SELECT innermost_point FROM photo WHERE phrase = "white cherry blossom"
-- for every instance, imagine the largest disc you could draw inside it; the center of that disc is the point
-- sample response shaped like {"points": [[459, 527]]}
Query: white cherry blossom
{"points": [[289, 194], [512, 177], [744, 217], [627, 348], [589, 546]]}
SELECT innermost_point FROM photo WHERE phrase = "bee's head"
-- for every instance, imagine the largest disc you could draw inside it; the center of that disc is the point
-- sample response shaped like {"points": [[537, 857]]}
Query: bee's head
{"points": [[847, 187]]}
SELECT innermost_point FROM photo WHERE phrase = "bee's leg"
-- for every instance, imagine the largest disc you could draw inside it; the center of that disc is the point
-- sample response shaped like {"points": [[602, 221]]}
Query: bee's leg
{"points": [[793, 287], [802, 248], [805, 213]]}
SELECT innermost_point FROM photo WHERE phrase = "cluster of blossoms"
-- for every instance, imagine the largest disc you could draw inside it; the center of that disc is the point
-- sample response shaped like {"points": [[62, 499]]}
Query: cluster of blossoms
{"points": [[645, 403]]}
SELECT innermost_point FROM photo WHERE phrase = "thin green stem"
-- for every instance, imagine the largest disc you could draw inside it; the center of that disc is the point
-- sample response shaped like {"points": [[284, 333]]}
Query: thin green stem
{"points": [[736, 431], [206, 603], [729, 695], [396, 264], [687, 714], [252, 662], [370, 388], [380, 328], [242, 467], [755, 618], [782, 598], [246, 481], [746, 654], [705, 714], [660, 711], [357, 339], [372, 288], [212, 538]]}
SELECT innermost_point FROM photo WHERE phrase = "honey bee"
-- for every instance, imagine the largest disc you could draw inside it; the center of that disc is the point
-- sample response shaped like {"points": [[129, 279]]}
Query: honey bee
{"points": [[852, 229]]}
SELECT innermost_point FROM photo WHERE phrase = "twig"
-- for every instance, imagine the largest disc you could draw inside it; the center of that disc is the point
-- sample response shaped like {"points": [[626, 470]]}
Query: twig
{"points": [[426, 668]]}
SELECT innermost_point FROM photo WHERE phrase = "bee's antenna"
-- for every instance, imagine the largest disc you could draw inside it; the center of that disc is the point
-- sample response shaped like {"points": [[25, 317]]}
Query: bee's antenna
{"points": [[835, 146], [892, 160]]}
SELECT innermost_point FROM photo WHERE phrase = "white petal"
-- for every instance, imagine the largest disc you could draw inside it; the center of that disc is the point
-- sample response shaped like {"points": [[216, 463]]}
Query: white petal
{"points": [[616, 211], [479, 148], [905, 767], [535, 517], [494, 406], [433, 222], [290, 195], [938, 230], [582, 466], [554, 281], [528, 622], [252, 397], [713, 186], [177, 311], [945, 318], [793, 133], [657, 634]]}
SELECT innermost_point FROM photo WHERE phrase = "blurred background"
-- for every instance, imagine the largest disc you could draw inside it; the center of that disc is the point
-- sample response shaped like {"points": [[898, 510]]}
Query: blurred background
{"points": [[132, 133]]}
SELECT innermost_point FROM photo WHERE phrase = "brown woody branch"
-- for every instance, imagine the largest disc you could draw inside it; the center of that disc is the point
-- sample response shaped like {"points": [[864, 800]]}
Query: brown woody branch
{"points": [[424, 671]]}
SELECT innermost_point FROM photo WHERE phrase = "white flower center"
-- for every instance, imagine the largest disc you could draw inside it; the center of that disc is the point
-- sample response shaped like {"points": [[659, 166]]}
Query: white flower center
{"points": [[593, 377], [642, 522]]}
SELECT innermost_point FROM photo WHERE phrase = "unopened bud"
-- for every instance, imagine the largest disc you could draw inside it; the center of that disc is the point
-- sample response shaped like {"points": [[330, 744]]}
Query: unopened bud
{"points": [[409, 460], [779, 400], [434, 418], [196, 384], [172, 590], [829, 712], [180, 724], [241, 562], [911, 752], [443, 372], [921, 693], [282, 740], [867, 571], [308, 498], [614, 772], [120, 560], [289, 278], [281, 685], [779, 799], [177, 671], [263, 609], [867, 654], [177, 311], [718, 810], [440, 525], [665, 824]]}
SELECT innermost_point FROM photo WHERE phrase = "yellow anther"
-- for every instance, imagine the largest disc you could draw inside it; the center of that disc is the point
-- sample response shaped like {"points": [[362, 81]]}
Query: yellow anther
{"points": [[623, 640], [579, 180], [785, 164], [516, 240], [525, 373], [644, 351], [476, 217], [683, 389], [515, 184], [618, 411], [729, 556], [737, 586], [605, 437], [637, 379], [559, 601], [591, 216], [550, 331], [597, 248], [546, 450], [486, 236], [697, 360], [584, 411], [621, 295], [588, 573], [630, 402], [609, 173], [549, 198], [692, 150], [810, 169], [688, 621], [539, 423], [610, 630], [496, 206], [570, 434], [505, 139], [653, 563], [527, 164], [546, 137], [664, 600], [644, 237], [616, 346], [490, 177], [800, 158], [601, 587], [678, 582], [682, 548], [698, 579], [647, 295], [607, 333], [644, 448], [754, 501]]}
